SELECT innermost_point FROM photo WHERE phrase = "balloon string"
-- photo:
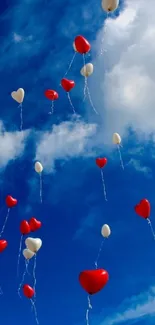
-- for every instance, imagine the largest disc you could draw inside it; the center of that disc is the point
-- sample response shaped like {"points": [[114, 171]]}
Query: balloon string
{"points": [[85, 78], [27, 264], [22, 281], [35, 311], [21, 116], [99, 253], [88, 309], [120, 156], [70, 65], [71, 103], [89, 96], [20, 248], [41, 185], [5, 222], [104, 188], [152, 230], [34, 274], [52, 108]]}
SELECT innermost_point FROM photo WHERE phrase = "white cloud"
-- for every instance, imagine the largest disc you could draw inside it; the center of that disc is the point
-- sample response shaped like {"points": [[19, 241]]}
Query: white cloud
{"points": [[139, 306], [137, 165], [11, 145], [127, 90], [17, 38], [66, 140]]}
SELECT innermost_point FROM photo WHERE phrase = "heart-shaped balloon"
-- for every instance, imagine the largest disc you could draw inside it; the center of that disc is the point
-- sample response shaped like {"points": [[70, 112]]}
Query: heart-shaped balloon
{"points": [[28, 254], [34, 224], [24, 227], [28, 291], [92, 281], [67, 84], [10, 201], [81, 44], [18, 95], [34, 244], [3, 245], [51, 94], [143, 208], [101, 162]]}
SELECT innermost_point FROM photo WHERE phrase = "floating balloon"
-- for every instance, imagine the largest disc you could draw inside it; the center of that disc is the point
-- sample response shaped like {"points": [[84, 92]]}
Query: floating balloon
{"points": [[3, 245], [34, 224], [117, 140], [92, 281], [28, 254], [10, 202], [109, 5], [101, 163], [87, 70], [18, 96], [105, 231], [28, 291], [143, 209], [51, 95], [81, 44], [39, 168], [34, 244], [68, 85], [24, 227]]}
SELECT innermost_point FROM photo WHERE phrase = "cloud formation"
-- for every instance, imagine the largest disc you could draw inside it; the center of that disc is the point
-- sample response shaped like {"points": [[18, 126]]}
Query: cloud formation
{"points": [[12, 145], [64, 141], [134, 308], [127, 90]]}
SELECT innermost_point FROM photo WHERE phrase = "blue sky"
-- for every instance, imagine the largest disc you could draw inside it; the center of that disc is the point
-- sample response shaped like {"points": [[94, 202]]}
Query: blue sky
{"points": [[36, 48]]}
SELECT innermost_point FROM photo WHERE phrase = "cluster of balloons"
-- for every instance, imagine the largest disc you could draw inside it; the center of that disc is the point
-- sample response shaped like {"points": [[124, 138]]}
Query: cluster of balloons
{"points": [[32, 247], [92, 281]]}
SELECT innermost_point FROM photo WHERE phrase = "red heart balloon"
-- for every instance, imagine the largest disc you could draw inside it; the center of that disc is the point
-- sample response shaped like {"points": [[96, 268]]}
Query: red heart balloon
{"points": [[51, 94], [3, 245], [10, 201], [143, 208], [101, 162], [24, 227], [67, 84], [94, 280], [81, 44], [28, 291], [34, 224]]}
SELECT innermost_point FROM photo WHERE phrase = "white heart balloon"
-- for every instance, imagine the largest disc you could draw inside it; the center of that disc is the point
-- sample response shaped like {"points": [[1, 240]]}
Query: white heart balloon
{"points": [[105, 231], [28, 254], [33, 244], [38, 167], [18, 95]]}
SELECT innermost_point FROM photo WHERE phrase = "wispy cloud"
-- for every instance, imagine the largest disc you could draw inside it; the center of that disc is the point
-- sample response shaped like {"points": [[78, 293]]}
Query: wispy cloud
{"points": [[137, 165], [135, 308], [67, 140]]}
